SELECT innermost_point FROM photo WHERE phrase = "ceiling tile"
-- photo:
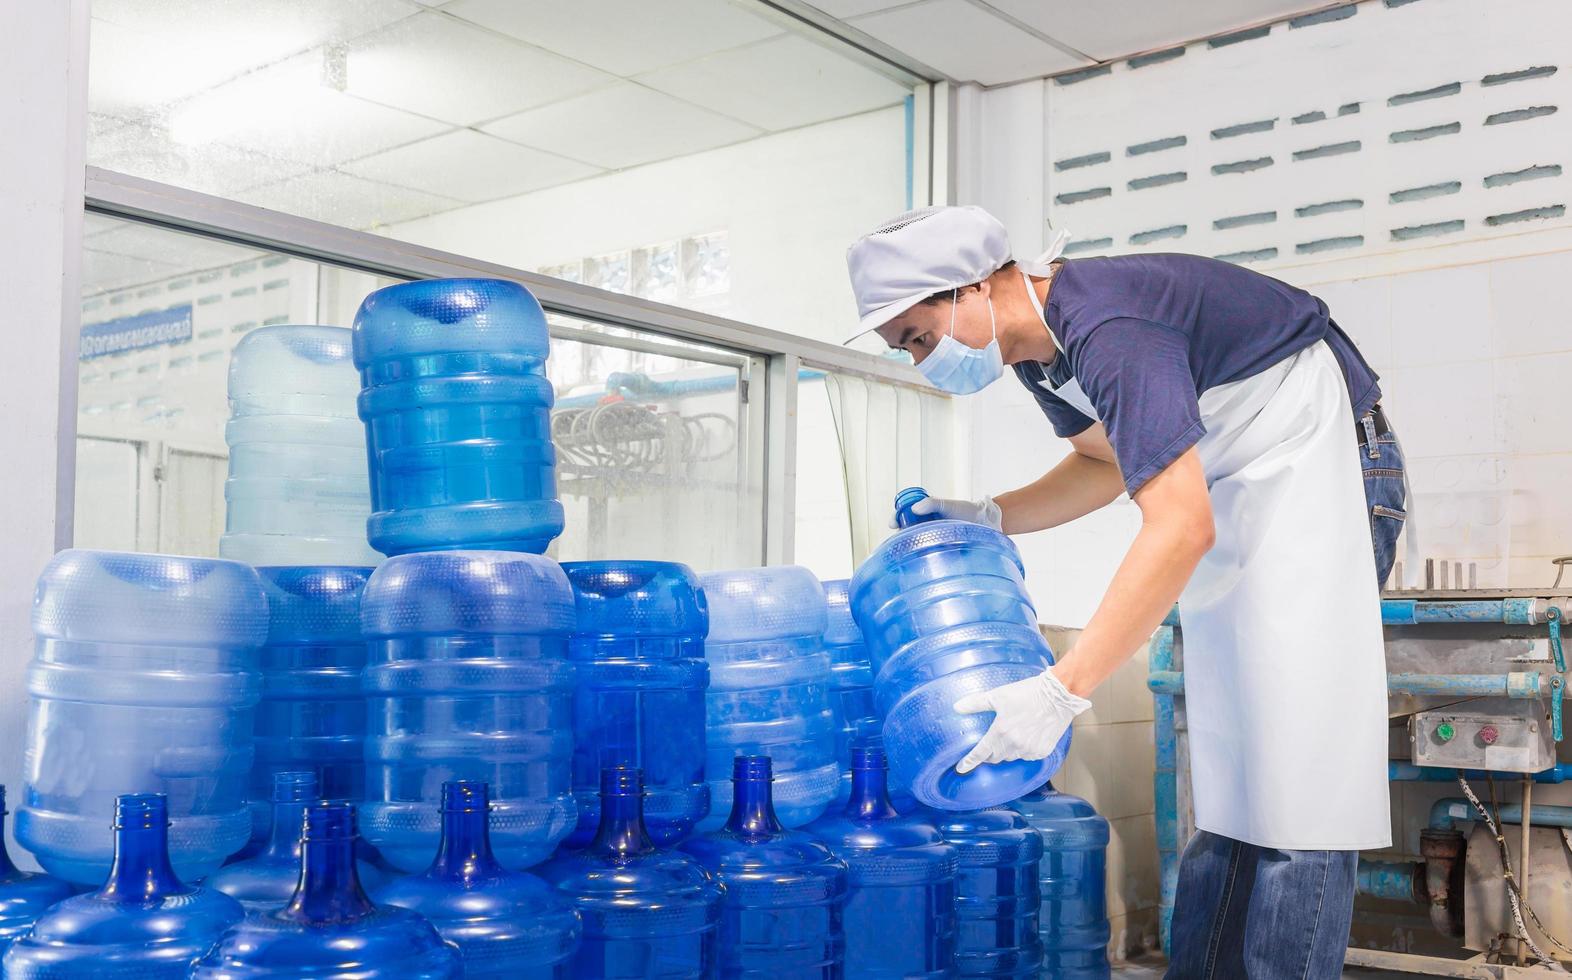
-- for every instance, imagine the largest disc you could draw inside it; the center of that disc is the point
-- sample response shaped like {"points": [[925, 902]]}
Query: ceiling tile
{"points": [[624, 37], [622, 126], [212, 168], [440, 66], [147, 53], [287, 111], [1111, 29], [966, 42], [343, 199], [470, 166], [854, 8], [780, 83]]}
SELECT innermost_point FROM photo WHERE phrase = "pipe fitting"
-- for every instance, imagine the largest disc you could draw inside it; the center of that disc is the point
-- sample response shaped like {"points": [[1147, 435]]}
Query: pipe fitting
{"points": [[1443, 851]]}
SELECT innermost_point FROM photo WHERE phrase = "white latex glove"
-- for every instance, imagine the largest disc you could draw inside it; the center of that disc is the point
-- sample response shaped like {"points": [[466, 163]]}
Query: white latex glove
{"points": [[984, 511], [1030, 717]]}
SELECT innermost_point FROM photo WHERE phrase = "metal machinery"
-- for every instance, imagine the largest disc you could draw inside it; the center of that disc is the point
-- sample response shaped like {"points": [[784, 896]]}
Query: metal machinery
{"points": [[1475, 681]]}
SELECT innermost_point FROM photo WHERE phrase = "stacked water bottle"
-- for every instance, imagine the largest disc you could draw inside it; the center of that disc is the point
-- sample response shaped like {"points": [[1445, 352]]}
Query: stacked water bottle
{"points": [[469, 760]]}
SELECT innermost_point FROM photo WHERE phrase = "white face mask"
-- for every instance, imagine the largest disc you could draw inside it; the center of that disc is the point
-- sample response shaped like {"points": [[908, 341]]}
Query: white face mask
{"points": [[959, 369]]}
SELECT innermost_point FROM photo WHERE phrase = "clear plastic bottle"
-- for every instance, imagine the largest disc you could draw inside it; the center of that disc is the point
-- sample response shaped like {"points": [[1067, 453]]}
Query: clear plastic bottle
{"points": [[997, 892], [638, 652], [505, 923], [267, 879], [1074, 914], [944, 610], [23, 896], [144, 679], [297, 491], [900, 910], [851, 680], [313, 713], [785, 891], [646, 912], [143, 923], [329, 928], [457, 410], [769, 689], [468, 678]]}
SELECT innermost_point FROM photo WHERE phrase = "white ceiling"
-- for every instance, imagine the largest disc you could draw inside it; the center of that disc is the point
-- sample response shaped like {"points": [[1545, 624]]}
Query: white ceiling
{"points": [[993, 42]]}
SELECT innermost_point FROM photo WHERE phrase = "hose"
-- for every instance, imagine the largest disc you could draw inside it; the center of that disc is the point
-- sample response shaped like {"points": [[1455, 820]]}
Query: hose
{"points": [[1518, 900]]}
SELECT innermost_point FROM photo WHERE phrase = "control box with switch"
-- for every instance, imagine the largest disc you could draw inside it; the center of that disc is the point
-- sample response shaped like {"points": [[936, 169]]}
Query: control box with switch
{"points": [[1505, 743]]}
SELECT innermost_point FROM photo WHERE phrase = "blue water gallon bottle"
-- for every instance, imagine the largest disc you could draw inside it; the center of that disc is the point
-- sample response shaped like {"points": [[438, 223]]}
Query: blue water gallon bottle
{"points": [[944, 610], [458, 417], [1074, 913], [23, 896], [297, 492], [468, 678], [638, 654], [506, 924], [647, 912], [900, 910], [851, 680], [144, 679], [313, 713], [329, 927], [769, 689], [143, 923], [265, 880], [997, 892], [785, 891]]}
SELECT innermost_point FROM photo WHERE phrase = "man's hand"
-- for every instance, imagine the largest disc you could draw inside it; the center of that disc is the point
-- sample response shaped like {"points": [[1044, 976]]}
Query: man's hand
{"points": [[1030, 717], [984, 511]]}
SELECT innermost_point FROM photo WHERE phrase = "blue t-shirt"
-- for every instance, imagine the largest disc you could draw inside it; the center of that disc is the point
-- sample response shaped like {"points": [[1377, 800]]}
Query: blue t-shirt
{"points": [[1145, 335]]}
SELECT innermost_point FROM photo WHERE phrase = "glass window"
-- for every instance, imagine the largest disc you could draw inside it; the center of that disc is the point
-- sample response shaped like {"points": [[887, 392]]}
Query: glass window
{"points": [[655, 445], [708, 153]]}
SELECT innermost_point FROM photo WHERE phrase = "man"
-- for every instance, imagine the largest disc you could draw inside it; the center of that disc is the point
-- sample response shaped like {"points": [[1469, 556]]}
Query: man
{"points": [[1238, 417]]}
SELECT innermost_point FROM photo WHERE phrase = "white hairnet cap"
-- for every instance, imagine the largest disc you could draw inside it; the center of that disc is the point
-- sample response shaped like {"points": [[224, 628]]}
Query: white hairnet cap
{"points": [[922, 252]]}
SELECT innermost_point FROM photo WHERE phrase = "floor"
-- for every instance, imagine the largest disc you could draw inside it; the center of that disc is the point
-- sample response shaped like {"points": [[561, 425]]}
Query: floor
{"points": [[1151, 968]]}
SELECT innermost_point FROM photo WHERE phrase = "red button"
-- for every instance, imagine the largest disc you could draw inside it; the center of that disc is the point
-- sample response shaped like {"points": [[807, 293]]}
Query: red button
{"points": [[1488, 734]]}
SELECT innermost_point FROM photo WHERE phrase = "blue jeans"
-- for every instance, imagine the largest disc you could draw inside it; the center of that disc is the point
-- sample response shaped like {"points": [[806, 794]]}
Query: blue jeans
{"points": [[1267, 913], [1260, 912]]}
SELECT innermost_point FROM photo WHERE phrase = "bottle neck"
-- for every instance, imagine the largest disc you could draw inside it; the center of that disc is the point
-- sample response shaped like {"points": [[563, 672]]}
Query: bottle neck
{"points": [[465, 851], [753, 809], [283, 844], [141, 871], [870, 797], [329, 888], [621, 833]]}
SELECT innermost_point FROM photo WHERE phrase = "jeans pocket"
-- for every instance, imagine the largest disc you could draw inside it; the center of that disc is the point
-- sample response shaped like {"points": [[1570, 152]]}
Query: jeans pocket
{"points": [[1386, 523]]}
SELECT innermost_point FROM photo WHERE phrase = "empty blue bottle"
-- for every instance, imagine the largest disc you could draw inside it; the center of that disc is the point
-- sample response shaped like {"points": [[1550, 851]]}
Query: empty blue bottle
{"points": [[785, 891], [638, 653], [143, 923], [23, 896], [297, 492], [144, 679], [851, 680], [267, 879], [646, 912], [996, 892], [313, 714], [1074, 913], [468, 678], [458, 417], [900, 910], [769, 689], [504, 923], [944, 610], [329, 928]]}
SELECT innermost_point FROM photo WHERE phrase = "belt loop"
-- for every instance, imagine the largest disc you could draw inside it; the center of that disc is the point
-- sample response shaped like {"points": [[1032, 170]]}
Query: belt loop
{"points": [[1371, 448]]}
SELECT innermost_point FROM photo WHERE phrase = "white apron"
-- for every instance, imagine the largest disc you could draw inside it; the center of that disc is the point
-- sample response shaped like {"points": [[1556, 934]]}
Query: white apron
{"points": [[1285, 672]]}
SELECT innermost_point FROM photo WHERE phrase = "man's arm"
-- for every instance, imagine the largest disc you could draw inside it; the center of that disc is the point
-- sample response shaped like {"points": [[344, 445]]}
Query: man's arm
{"points": [[1176, 532], [1084, 481]]}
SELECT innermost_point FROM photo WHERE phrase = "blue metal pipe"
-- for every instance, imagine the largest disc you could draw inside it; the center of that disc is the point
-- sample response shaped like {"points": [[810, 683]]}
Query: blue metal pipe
{"points": [[1168, 682], [1411, 612], [1165, 779], [1517, 684], [1447, 813], [1392, 880], [1407, 772]]}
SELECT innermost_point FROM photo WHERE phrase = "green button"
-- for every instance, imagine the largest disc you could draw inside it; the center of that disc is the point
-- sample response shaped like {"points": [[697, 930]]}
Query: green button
{"points": [[1445, 731]]}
